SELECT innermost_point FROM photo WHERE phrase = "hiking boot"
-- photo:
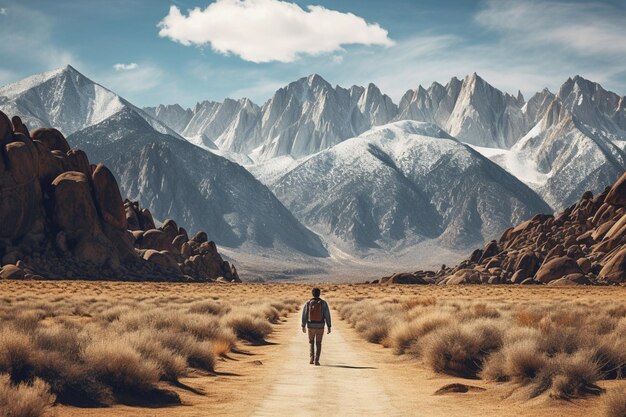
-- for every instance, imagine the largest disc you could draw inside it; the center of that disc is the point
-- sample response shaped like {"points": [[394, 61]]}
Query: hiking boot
{"points": [[311, 361], [317, 364]]}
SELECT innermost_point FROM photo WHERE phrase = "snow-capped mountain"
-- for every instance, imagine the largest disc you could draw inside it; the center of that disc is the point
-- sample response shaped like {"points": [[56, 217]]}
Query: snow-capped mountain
{"points": [[68, 100], [559, 162], [302, 118], [471, 110], [575, 143], [155, 165], [399, 184], [176, 179], [173, 115]]}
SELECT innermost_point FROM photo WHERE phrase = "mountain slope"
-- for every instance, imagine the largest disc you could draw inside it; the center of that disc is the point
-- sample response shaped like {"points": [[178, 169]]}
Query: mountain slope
{"points": [[204, 191], [574, 143], [471, 110], [402, 183], [68, 100]]}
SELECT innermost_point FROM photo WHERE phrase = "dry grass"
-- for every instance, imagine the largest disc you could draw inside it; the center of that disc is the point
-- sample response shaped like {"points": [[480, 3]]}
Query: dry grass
{"points": [[24, 400], [556, 348], [119, 346]]}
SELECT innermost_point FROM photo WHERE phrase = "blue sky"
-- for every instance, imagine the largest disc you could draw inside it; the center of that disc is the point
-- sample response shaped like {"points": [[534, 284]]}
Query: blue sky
{"points": [[250, 48]]}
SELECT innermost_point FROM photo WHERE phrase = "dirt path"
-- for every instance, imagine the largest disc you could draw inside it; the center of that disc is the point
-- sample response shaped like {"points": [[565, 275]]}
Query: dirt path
{"points": [[345, 385]]}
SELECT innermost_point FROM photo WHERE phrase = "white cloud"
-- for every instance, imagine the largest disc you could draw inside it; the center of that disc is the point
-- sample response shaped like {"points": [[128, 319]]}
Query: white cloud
{"points": [[125, 67], [270, 30], [3, 11], [586, 28]]}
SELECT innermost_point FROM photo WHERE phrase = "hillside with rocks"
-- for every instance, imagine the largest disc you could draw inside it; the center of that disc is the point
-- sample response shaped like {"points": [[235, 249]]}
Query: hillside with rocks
{"points": [[64, 218], [584, 244]]}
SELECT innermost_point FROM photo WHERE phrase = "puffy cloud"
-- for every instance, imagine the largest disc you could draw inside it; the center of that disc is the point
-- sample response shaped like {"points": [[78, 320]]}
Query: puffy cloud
{"points": [[125, 67], [269, 30]]}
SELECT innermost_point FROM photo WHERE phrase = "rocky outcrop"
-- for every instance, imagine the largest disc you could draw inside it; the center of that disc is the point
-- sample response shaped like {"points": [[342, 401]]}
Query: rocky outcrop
{"points": [[63, 218], [583, 245]]}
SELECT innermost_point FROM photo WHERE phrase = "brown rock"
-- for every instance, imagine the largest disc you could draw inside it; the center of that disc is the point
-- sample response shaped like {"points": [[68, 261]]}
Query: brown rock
{"points": [[617, 195], [200, 237], [91, 250], [155, 239], [108, 198], [170, 228], [77, 161], [615, 269], [457, 388], [584, 264], [618, 230], [179, 241], [21, 163], [52, 138], [5, 128], [528, 264], [569, 280], [405, 278], [464, 276], [74, 209], [557, 268], [19, 127], [490, 250], [146, 220], [162, 258], [50, 167], [185, 250]]}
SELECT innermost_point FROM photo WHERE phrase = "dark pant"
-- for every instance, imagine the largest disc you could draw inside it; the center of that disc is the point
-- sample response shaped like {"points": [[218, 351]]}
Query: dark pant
{"points": [[315, 342]]}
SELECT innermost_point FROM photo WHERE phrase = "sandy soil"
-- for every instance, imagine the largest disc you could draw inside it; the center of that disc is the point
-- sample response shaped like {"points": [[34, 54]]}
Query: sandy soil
{"points": [[356, 377]]}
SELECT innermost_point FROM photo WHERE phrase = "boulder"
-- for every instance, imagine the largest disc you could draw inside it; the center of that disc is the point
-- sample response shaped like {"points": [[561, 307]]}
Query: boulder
{"points": [[405, 278], [74, 210], [615, 269], [464, 276], [108, 198], [156, 239], [618, 230], [52, 138], [146, 220], [557, 268], [5, 128], [617, 195], [490, 250], [570, 280], [528, 263], [164, 259], [200, 237], [21, 163], [92, 250], [19, 126], [584, 264], [77, 161], [50, 167]]}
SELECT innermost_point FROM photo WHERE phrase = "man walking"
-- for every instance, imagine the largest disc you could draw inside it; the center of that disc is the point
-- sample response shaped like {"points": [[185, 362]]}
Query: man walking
{"points": [[315, 314]]}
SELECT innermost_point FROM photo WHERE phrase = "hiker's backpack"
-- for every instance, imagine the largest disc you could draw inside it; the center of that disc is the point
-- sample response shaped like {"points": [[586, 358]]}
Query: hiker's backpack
{"points": [[316, 315]]}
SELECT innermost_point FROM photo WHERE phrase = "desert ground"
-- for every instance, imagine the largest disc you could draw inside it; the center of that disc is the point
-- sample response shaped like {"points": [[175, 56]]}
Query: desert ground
{"points": [[516, 351]]}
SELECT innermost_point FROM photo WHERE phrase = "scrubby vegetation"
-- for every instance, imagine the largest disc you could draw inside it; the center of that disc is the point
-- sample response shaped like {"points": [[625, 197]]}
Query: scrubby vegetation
{"points": [[100, 350], [560, 349]]}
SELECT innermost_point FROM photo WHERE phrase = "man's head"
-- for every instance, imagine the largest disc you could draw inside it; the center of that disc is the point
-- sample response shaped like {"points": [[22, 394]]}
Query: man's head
{"points": [[316, 292]]}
